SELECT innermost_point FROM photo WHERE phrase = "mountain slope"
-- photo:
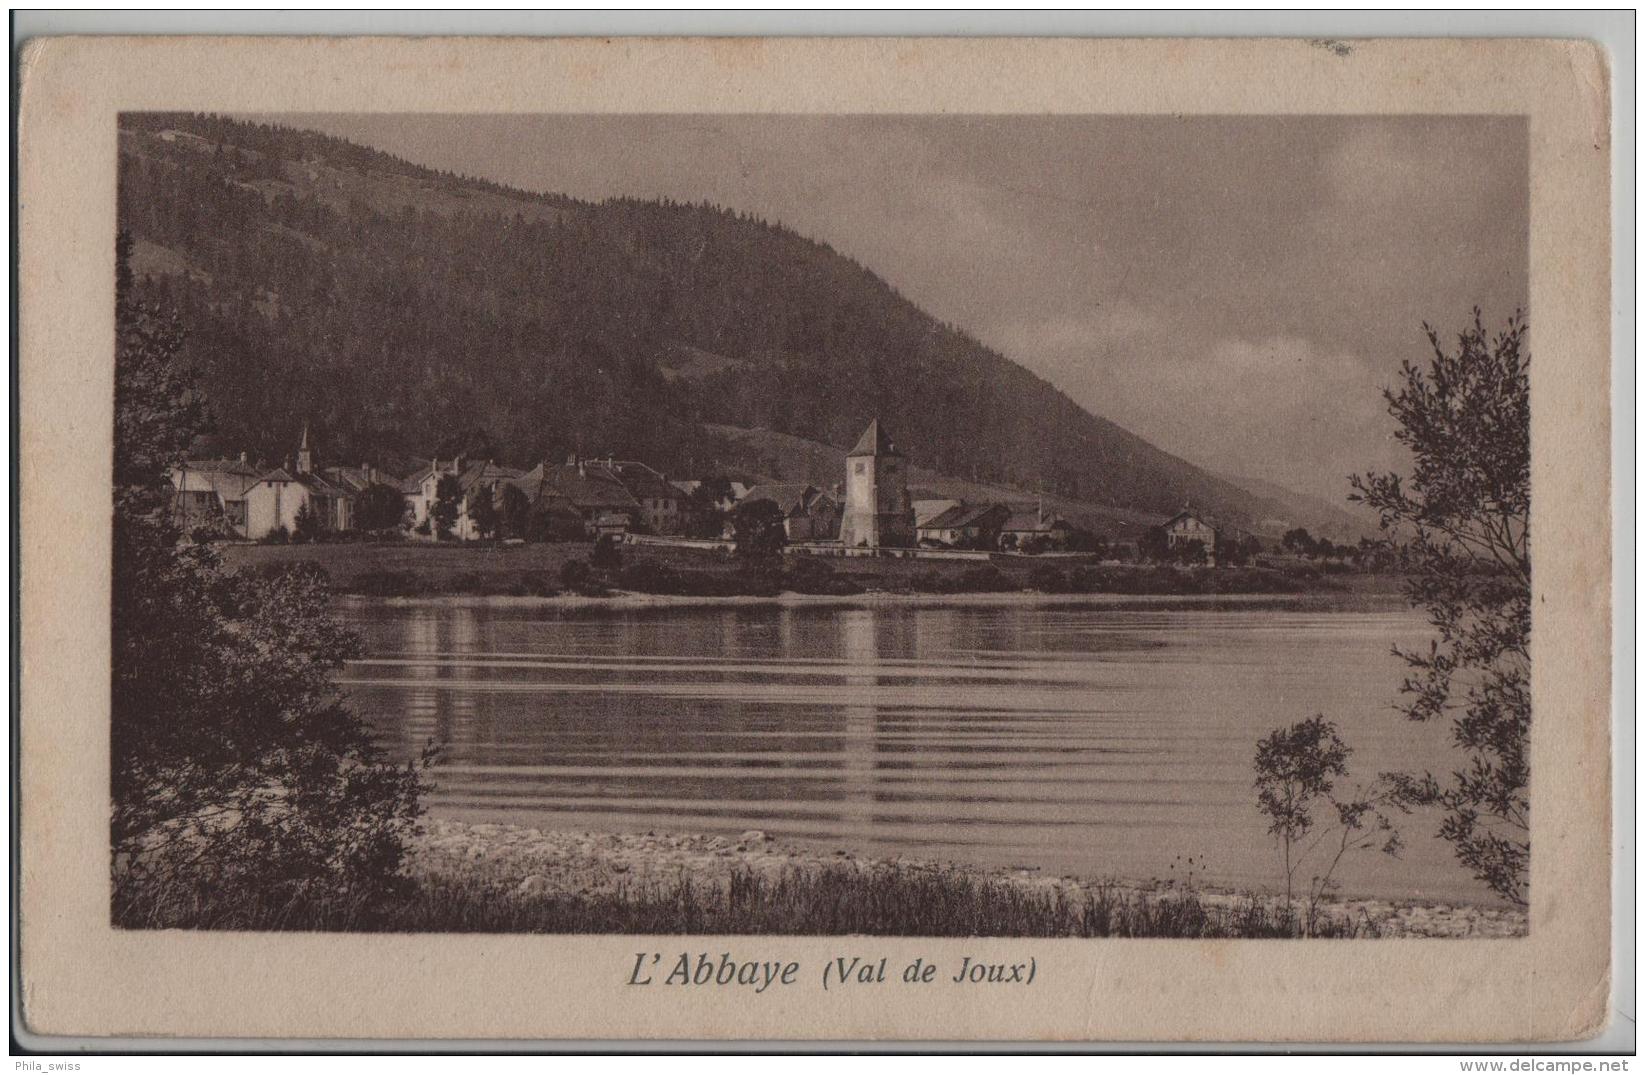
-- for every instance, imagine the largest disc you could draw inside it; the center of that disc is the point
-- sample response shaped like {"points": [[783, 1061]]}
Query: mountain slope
{"points": [[406, 312], [1340, 524]]}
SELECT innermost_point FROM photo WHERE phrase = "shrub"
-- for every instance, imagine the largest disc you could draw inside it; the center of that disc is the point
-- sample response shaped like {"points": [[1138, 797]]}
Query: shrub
{"points": [[1297, 767], [537, 584], [651, 577], [578, 577], [607, 555], [277, 536]]}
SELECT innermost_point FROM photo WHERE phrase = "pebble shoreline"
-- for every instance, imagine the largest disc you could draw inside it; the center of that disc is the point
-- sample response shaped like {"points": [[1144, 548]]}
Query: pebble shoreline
{"points": [[532, 861]]}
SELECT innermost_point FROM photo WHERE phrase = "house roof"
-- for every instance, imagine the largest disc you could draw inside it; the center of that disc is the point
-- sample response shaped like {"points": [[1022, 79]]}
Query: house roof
{"points": [[874, 441], [478, 473], [358, 479], [1033, 521], [1190, 513], [318, 484], [228, 478], [413, 483], [792, 497], [964, 515], [587, 487], [640, 480]]}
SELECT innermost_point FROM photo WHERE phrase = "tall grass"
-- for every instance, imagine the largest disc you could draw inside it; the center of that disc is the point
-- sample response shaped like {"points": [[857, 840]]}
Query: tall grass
{"points": [[829, 901]]}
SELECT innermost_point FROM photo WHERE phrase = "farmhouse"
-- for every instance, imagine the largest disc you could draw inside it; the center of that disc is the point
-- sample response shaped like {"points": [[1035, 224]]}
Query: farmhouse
{"points": [[974, 526], [659, 500], [211, 495], [550, 515], [1188, 526], [928, 507], [1033, 526], [589, 492]]}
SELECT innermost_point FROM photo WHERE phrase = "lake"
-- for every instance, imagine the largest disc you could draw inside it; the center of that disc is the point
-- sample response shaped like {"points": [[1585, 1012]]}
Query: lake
{"points": [[1093, 740]]}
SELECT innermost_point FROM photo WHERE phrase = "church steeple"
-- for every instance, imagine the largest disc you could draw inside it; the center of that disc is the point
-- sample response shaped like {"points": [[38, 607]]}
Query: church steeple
{"points": [[305, 454], [874, 441]]}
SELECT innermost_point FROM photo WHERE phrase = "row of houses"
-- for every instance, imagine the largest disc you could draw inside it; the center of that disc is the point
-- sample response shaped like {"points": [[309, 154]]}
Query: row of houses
{"points": [[241, 499], [577, 498], [588, 498]]}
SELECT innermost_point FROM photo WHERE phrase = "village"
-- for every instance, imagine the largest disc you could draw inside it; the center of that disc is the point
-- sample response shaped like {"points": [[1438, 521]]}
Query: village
{"points": [[871, 512]]}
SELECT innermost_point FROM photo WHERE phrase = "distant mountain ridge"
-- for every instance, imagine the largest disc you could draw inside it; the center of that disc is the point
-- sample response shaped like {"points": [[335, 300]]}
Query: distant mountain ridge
{"points": [[406, 312]]}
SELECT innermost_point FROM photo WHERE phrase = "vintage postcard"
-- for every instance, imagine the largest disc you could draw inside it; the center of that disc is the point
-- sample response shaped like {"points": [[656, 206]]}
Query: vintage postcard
{"points": [[851, 539]]}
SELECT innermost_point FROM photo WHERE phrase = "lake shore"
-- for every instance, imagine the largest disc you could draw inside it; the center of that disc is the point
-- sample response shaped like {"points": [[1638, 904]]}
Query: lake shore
{"points": [[528, 864], [572, 575], [622, 601]]}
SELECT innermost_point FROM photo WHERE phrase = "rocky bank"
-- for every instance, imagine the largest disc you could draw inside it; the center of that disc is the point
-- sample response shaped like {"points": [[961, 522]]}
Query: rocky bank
{"points": [[532, 861]]}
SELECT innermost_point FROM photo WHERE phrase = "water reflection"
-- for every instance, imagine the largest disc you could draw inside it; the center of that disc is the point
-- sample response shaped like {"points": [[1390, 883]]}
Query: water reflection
{"points": [[1080, 740]]}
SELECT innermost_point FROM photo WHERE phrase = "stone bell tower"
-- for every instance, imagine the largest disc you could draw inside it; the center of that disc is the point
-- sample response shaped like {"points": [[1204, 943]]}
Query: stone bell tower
{"points": [[877, 509]]}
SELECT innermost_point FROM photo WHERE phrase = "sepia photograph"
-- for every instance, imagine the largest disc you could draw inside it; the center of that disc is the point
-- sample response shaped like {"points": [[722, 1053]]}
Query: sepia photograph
{"points": [[871, 540], [1092, 526]]}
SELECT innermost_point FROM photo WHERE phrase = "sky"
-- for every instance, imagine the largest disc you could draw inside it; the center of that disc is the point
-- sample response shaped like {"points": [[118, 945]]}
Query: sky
{"points": [[1237, 290]]}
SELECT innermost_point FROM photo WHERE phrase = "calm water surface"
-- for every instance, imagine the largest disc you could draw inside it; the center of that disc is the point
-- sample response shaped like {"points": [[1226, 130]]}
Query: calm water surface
{"points": [[1096, 741]]}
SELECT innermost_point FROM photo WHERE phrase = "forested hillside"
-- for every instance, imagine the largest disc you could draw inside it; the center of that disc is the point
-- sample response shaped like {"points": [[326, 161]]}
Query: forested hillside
{"points": [[404, 312]]}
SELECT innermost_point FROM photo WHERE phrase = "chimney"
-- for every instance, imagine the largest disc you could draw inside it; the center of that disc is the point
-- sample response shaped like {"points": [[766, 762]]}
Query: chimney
{"points": [[243, 458]]}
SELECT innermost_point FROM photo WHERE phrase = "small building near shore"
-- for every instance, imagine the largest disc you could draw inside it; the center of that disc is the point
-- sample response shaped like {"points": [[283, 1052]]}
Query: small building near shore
{"points": [[973, 526], [1188, 526], [1035, 527]]}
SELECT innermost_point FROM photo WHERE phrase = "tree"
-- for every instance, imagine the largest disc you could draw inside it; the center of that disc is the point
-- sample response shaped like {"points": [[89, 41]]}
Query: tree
{"points": [[380, 507], [1297, 768], [1188, 552], [1154, 545], [704, 516], [482, 510], [1298, 541], [448, 498], [236, 771], [758, 529], [1463, 523], [607, 556], [308, 525], [1237, 551], [516, 511]]}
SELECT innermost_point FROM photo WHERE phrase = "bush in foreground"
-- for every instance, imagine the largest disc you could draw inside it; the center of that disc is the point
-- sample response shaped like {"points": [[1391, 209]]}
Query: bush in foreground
{"points": [[236, 769]]}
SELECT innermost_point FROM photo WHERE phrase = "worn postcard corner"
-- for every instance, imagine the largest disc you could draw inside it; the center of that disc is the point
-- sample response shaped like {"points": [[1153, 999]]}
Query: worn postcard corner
{"points": [[862, 540]]}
